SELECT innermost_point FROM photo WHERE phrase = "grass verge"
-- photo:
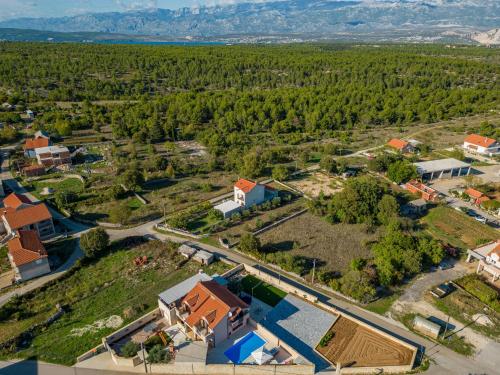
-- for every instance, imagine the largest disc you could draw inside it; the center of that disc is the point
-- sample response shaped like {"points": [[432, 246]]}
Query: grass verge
{"points": [[265, 292]]}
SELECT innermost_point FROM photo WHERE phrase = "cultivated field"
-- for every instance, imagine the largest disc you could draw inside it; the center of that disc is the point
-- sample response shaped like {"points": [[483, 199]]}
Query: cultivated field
{"points": [[312, 184], [356, 346], [334, 246], [456, 228]]}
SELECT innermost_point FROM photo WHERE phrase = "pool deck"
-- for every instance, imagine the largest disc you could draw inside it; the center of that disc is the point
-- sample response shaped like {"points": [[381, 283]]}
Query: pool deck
{"points": [[216, 355]]}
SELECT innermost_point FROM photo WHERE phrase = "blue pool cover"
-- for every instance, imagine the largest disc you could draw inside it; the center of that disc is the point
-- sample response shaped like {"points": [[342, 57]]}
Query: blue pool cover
{"points": [[243, 347]]}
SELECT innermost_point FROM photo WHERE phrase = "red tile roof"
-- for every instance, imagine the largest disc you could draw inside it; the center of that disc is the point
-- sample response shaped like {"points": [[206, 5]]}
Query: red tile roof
{"points": [[479, 140], [473, 193], [212, 301], [245, 185], [36, 143], [14, 201], [26, 248], [26, 216], [397, 143]]}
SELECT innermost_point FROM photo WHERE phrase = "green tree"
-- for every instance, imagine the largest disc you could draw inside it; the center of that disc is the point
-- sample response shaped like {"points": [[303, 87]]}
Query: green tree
{"points": [[120, 213], [249, 244], [401, 171], [388, 209], [280, 172], [94, 242], [328, 164]]}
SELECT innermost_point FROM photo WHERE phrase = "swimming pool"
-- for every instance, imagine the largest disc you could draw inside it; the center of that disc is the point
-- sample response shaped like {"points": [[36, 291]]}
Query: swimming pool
{"points": [[243, 348]]}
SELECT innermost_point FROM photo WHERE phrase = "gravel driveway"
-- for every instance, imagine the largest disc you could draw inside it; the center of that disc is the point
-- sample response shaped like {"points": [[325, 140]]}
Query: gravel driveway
{"points": [[415, 291]]}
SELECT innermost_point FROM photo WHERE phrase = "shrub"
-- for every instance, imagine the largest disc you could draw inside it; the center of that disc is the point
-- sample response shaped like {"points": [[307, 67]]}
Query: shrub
{"points": [[130, 349], [153, 341], [326, 339], [158, 354]]}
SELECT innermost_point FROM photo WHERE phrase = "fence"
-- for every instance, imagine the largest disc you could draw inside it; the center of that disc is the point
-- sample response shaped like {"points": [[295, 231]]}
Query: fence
{"points": [[281, 221]]}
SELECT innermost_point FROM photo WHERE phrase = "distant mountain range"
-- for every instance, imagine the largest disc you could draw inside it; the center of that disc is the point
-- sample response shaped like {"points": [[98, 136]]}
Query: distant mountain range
{"points": [[291, 19]]}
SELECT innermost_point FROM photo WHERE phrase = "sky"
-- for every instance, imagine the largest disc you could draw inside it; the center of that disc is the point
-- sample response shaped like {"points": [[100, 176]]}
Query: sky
{"points": [[59, 8]]}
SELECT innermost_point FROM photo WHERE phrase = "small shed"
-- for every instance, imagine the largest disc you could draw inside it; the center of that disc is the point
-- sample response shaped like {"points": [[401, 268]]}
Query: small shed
{"points": [[228, 208], [204, 257], [187, 251], [426, 327]]}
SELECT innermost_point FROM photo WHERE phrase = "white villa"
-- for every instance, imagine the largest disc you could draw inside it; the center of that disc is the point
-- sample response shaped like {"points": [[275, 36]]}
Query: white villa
{"points": [[246, 194], [489, 259], [478, 144]]}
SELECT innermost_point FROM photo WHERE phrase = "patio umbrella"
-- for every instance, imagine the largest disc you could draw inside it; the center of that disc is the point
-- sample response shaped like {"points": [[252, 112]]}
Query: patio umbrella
{"points": [[261, 356]]}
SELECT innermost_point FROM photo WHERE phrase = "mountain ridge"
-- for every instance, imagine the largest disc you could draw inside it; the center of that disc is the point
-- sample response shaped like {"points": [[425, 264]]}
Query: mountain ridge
{"points": [[301, 17]]}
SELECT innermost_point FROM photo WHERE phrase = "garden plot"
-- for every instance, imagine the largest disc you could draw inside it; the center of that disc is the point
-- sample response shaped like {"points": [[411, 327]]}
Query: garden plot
{"points": [[357, 346], [314, 183], [308, 236]]}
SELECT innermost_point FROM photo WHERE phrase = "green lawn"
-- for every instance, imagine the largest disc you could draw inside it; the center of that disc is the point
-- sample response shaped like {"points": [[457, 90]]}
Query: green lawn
{"points": [[382, 305], [73, 185], [456, 228], [202, 224], [112, 285], [265, 292]]}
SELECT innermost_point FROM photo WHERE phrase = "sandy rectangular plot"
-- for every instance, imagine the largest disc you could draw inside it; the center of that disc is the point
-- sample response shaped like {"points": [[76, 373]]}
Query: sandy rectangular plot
{"points": [[354, 345], [317, 182]]}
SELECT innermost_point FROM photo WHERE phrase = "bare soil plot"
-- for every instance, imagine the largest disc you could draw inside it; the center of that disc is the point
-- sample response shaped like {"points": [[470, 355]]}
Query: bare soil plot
{"points": [[357, 346], [313, 183], [192, 148], [334, 246]]}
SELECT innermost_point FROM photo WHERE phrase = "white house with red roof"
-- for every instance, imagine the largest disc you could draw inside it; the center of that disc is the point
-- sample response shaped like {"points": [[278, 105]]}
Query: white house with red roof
{"points": [[478, 144], [20, 213], [27, 255], [246, 194], [401, 145], [489, 258], [205, 310]]}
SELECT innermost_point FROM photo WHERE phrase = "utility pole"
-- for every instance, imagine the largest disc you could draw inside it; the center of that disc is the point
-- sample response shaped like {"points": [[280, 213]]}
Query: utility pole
{"points": [[446, 327], [144, 358], [314, 269]]}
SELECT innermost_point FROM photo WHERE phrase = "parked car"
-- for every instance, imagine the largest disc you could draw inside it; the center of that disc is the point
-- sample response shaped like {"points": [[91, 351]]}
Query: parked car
{"points": [[445, 266], [481, 219]]}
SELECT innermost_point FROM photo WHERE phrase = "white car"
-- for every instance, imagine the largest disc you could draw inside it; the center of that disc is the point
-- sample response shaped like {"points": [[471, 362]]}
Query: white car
{"points": [[481, 219]]}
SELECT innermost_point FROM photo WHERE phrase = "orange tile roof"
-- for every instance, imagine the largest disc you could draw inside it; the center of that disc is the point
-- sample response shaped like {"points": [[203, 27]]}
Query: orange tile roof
{"points": [[479, 140], [26, 248], [245, 185], [211, 301], [482, 199], [397, 143], [36, 143], [473, 193], [26, 216], [14, 201]]}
